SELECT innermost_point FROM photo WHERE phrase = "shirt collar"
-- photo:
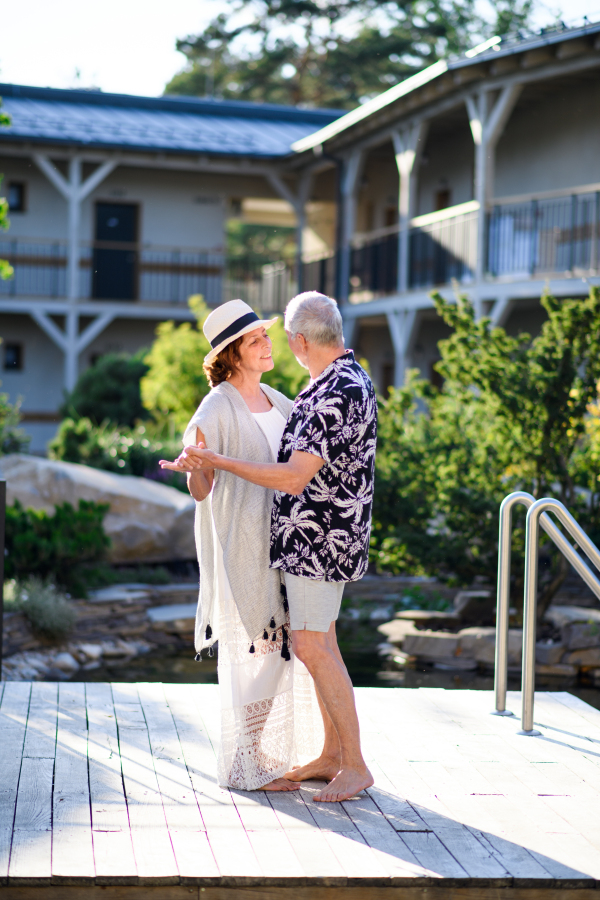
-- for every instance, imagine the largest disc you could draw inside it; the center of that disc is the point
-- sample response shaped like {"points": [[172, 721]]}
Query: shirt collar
{"points": [[347, 357]]}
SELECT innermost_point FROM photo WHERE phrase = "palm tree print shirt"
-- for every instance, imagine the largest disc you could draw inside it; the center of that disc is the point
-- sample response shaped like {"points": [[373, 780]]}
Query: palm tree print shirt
{"points": [[324, 531]]}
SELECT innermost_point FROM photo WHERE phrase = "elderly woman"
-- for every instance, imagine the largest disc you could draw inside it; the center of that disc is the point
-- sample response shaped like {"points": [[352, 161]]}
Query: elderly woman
{"points": [[269, 713]]}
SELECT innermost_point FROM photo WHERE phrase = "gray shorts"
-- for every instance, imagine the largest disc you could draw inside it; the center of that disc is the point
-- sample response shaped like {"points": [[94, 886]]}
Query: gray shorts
{"points": [[314, 603]]}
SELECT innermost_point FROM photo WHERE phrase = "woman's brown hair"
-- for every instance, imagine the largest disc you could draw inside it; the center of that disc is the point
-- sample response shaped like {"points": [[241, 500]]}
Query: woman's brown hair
{"points": [[224, 365]]}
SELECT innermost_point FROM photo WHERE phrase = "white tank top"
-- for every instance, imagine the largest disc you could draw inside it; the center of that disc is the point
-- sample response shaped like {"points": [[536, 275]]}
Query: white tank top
{"points": [[272, 425]]}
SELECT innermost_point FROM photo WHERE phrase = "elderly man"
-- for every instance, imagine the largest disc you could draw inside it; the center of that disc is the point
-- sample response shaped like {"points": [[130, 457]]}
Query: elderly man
{"points": [[321, 521]]}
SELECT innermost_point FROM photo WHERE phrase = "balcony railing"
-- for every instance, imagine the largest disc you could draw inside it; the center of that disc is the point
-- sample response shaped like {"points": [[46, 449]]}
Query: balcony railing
{"points": [[552, 234], [147, 274], [443, 247]]}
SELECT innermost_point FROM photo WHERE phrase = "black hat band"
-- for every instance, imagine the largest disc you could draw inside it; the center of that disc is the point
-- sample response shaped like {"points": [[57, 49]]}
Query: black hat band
{"points": [[233, 329]]}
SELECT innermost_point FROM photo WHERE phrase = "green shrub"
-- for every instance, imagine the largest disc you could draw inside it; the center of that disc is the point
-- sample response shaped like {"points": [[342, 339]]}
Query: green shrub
{"points": [[12, 438], [47, 608], [513, 413], [55, 547], [127, 451], [109, 390]]}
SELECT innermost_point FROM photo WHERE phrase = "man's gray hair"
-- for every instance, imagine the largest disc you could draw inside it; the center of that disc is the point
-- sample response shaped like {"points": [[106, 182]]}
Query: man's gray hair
{"points": [[316, 317]]}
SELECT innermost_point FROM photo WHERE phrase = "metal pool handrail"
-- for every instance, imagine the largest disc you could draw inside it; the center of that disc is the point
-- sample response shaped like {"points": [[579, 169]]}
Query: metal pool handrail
{"points": [[532, 535], [503, 599]]}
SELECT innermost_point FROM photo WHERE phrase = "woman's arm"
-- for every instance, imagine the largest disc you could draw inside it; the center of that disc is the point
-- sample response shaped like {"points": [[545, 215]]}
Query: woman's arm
{"points": [[200, 481], [290, 477]]}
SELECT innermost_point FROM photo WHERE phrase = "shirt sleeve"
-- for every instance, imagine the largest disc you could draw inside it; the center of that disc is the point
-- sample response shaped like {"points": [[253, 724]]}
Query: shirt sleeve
{"points": [[327, 431]]}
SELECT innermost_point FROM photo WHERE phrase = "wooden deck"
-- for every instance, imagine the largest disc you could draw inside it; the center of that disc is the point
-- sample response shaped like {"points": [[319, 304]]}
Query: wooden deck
{"points": [[109, 791]]}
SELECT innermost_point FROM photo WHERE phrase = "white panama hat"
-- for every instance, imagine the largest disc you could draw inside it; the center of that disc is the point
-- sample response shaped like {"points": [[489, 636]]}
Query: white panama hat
{"points": [[228, 322]]}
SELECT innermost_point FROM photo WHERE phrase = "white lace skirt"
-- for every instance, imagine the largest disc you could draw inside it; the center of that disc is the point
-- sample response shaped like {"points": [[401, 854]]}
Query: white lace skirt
{"points": [[270, 719]]}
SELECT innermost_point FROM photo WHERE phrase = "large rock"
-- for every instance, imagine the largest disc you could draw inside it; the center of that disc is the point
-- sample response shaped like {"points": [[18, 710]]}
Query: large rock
{"points": [[146, 522]]}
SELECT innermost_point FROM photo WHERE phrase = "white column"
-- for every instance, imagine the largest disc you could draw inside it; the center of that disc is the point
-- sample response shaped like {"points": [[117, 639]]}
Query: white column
{"points": [[71, 352], [298, 202], [74, 192], [351, 170], [401, 323], [408, 147], [69, 341], [487, 120], [74, 201]]}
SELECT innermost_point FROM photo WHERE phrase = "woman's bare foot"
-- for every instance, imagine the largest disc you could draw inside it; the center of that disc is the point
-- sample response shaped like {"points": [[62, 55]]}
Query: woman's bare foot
{"points": [[325, 768], [347, 783], [280, 784]]}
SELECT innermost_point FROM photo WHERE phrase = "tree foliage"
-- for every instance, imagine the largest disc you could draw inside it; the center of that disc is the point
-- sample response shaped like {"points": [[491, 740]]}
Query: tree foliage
{"points": [[513, 413], [334, 53], [109, 391], [176, 383]]}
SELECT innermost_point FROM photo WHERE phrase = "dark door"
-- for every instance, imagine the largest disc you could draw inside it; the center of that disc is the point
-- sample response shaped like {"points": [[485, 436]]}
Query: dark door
{"points": [[115, 252]]}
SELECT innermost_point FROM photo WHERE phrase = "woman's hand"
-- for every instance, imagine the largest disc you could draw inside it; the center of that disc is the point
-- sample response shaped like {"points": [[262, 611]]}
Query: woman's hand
{"points": [[191, 459]]}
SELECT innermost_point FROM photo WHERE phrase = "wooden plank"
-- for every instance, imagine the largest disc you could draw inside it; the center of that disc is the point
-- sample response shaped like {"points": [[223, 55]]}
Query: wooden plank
{"points": [[355, 855], [113, 850], [433, 855], [153, 851], [13, 718], [223, 824], [40, 736], [13, 722], [31, 854], [186, 827], [328, 816], [72, 845], [396, 858], [291, 810]]}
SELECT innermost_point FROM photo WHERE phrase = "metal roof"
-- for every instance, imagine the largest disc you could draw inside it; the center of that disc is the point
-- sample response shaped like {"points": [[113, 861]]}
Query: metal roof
{"points": [[506, 46], [169, 124]]}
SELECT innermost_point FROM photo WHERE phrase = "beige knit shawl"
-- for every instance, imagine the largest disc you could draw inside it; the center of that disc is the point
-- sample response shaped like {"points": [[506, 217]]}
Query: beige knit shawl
{"points": [[242, 513]]}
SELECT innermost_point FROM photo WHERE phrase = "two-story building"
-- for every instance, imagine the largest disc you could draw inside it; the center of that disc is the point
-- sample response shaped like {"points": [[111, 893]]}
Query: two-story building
{"points": [[482, 172], [117, 212]]}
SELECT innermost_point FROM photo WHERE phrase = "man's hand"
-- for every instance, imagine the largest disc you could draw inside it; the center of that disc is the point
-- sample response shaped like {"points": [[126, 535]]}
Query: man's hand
{"points": [[191, 459]]}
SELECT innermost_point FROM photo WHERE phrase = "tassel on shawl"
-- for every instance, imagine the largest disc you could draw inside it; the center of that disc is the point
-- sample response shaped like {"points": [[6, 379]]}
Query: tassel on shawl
{"points": [[286, 606], [208, 632], [285, 653], [252, 650], [198, 657]]}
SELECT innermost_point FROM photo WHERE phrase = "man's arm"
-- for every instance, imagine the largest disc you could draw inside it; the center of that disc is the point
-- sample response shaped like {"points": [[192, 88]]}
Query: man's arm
{"points": [[289, 478]]}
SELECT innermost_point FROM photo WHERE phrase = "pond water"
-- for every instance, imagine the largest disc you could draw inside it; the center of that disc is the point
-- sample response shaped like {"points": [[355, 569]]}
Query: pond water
{"points": [[359, 645]]}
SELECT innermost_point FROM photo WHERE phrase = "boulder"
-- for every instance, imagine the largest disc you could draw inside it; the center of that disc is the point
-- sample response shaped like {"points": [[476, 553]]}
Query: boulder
{"points": [[580, 635], [588, 657], [397, 630], [479, 643], [560, 616], [429, 619], [475, 607], [431, 645], [146, 522], [548, 653]]}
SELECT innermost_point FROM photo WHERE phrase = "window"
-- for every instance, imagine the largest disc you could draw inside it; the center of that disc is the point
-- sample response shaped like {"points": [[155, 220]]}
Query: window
{"points": [[16, 196], [13, 357]]}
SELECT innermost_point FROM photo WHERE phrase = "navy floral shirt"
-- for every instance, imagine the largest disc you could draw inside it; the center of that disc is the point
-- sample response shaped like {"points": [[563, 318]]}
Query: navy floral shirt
{"points": [[324, 531]]}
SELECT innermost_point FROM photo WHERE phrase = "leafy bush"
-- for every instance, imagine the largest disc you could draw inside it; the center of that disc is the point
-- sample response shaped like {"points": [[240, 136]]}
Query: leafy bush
{"points": [[176, 384], [47, 608], [513, 413], [109, 390], [12, 438], [55, 547], [127, 451]]}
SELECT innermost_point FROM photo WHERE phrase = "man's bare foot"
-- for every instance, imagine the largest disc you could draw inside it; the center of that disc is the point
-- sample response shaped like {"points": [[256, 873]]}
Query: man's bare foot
{"points": [[347, 783], [325, 768], [280, 784]]}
